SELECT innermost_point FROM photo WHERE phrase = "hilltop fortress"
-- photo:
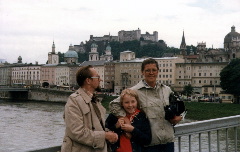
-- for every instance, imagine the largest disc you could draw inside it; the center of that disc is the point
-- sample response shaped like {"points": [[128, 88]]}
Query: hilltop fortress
{"points": [[127, 36]]}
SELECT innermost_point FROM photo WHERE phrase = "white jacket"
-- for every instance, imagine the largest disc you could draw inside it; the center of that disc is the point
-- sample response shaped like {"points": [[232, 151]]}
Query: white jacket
{"points": [[152, 102]]}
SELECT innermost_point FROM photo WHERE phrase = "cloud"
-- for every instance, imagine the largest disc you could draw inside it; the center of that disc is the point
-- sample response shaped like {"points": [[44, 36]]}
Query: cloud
{"points": [[28, 27]]}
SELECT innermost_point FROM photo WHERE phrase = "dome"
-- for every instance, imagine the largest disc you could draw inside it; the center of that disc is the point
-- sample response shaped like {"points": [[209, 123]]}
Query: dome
{"points": [[19, 58], [230, 35], [108, 47], [71, 54], [94, 45]]}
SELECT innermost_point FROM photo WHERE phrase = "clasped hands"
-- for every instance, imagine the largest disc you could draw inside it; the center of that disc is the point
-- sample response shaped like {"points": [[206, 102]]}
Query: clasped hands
{"points": [[111, 137], [125, 124]]}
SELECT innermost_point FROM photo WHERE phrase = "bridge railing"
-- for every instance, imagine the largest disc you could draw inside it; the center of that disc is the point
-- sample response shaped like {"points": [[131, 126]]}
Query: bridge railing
{"points": [[193, 129], [211, 128]]}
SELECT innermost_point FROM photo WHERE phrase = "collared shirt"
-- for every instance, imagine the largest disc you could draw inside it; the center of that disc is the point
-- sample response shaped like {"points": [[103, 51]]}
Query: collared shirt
{"points": [[88, 93], [146, 84]]}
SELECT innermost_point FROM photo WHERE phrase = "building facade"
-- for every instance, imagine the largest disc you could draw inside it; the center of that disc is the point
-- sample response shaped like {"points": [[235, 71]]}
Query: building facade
{"points": [[29, 75], [48, 74], [6, 75]]}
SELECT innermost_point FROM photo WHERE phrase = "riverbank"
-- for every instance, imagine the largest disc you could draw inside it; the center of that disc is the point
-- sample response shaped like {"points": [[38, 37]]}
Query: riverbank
{"points": [[206, 111], [199, 110], [196, 110]]}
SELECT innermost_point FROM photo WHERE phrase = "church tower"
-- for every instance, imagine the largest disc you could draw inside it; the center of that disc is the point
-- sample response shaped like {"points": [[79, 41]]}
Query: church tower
{"points": [[53, 58], [19, 59], [232, 43], [108, 54], [94, 55], [183, 47]]}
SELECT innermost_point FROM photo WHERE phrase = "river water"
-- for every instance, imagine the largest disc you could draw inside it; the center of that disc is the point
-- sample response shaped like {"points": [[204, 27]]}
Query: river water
{"points": [[27, 126]]}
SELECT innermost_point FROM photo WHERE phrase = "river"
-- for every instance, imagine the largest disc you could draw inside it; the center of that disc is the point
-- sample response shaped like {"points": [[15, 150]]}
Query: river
{"points": [[27, 126]]}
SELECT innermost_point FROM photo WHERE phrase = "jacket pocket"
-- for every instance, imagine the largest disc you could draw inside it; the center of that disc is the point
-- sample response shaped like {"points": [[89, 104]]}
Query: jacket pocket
{"points": [[67, 145], [151, 110]]}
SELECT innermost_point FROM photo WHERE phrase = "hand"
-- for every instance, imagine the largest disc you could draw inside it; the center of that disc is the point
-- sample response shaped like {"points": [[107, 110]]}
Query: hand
{"points": [[111, 137], [175, 120], [120, 122], [127, 127]]}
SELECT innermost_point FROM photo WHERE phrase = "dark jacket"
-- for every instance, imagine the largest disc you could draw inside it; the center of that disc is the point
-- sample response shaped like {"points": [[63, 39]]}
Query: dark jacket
{"points": [[141, 134]]}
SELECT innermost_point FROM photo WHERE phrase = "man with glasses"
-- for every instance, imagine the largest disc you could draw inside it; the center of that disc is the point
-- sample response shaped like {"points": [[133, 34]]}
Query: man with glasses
{"points": [[153, 98], [84, 116]]}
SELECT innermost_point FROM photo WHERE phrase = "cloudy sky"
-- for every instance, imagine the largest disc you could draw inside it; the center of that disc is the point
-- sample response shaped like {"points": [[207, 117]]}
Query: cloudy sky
{"points": [[28, 27]]}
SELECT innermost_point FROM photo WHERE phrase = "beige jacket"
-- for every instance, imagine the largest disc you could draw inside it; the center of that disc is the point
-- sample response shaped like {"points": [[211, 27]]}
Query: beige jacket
{"points": [[84, 132], [152, 102]]}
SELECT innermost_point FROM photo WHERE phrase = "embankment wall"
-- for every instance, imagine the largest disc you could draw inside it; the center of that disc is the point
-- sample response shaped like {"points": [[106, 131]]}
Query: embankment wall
{"points": [[49, 95], [38, 94]]}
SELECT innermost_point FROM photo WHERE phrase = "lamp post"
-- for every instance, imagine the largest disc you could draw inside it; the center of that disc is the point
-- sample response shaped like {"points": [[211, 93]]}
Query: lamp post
{"points": [[214, 90], [10, 81], [22, 81]]}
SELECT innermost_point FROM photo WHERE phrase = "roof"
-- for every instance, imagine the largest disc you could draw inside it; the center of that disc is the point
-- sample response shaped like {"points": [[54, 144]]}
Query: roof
{"points": [[192, 56], [127, 51], [71, 54], [168, 55], [93, 63], [230, 35]]}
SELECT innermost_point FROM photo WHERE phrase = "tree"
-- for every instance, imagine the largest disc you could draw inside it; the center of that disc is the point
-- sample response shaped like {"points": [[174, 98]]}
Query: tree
{"points": [[230, 78], [188, 90], [61, 57]]}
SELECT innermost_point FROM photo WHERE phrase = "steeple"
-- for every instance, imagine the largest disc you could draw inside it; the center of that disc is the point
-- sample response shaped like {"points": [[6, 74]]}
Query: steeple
{"points": [[183, 46], [183, 43], [53, 48], [94, 55]]}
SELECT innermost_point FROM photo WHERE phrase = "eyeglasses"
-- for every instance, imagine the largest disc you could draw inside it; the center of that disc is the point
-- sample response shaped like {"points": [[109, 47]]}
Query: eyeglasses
{"points": [[151, 71], [97, 77]]}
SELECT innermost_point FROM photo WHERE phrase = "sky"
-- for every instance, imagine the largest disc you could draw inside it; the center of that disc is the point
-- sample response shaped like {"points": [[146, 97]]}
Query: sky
{"points": [[29, 27]]}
